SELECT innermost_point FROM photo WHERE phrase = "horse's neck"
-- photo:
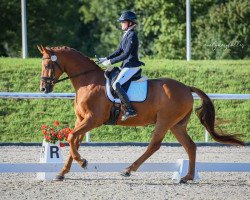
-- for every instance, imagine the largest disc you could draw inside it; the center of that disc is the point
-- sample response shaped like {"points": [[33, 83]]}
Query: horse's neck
{"points": [[89, 73]]}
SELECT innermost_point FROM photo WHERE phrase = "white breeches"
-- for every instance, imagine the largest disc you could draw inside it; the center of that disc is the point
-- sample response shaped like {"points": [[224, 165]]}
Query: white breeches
{"points": [[125, 74]]}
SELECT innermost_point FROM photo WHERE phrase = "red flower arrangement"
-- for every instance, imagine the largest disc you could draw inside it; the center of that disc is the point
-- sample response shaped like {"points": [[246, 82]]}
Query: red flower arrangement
{"points": [[54, 134]]}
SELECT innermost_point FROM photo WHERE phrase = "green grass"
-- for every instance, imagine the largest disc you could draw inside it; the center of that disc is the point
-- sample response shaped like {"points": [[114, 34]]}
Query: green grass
{"points": [[21, 119]]}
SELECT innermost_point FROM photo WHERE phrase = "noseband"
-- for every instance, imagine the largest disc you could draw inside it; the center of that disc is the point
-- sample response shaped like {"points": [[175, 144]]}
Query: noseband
{"points": [[51, 80]]}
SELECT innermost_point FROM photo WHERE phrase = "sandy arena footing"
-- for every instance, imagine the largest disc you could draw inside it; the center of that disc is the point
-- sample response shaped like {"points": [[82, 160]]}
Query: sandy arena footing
{"points": [[213, 185]]}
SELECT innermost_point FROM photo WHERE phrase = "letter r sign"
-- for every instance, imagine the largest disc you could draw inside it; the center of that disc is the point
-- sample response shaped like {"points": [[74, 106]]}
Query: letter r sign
{"points": [[54, 150]]}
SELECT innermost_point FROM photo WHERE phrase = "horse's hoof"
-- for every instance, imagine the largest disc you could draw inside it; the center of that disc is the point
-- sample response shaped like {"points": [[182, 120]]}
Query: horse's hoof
{"points": [[84, 164], [125, 173], [59, 177], [183, 181]]}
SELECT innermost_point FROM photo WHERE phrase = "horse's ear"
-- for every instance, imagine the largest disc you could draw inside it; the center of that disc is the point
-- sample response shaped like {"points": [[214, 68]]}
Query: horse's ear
{"points": [[47, 50], [43, 49], [40, 48]]}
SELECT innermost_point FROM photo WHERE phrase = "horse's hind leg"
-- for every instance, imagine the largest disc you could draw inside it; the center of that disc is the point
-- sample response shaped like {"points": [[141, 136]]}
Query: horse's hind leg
{"points": [[154, 145], [180, 132]]}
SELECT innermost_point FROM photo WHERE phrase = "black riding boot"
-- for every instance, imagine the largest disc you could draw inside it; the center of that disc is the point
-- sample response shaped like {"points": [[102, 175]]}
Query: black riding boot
{"points": [[129, 110]]}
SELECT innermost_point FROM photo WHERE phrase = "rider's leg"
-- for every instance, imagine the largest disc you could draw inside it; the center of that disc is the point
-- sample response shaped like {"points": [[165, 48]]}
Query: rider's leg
{"points": [[125, 74], [129, 110], [123, 77]]}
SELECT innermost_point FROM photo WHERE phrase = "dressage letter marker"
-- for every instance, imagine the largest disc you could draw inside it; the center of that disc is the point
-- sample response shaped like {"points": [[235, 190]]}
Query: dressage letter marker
{"points": [[50, 153], [54, 150]]}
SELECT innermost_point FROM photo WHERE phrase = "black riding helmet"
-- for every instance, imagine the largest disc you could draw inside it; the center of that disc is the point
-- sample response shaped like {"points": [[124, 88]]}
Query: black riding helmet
{"points": [[128, 16]]}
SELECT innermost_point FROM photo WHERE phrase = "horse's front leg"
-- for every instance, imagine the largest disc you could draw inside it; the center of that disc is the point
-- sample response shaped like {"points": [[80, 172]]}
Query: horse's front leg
{"points": [[84, 126], [68, 163]]}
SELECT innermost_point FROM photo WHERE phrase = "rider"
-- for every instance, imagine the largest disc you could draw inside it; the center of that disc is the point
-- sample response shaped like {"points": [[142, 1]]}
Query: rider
{"points": [[128, 53]]}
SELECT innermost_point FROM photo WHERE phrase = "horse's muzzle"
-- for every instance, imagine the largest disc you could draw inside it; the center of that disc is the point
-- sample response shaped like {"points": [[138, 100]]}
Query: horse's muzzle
{"points": [[46, 89], [46, 85]]}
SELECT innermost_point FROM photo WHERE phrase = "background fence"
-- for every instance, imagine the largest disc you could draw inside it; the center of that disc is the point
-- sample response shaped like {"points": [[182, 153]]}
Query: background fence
{"points": [[23, 95], [20, 95]]}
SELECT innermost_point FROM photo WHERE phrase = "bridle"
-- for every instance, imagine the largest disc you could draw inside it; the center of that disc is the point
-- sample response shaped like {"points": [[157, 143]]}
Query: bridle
{"points": [[51, 80]]}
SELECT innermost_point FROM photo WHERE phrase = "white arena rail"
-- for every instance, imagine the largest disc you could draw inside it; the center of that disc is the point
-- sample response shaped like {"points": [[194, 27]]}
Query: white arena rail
{"points": [[179, 168], [21, 95], [92, 167]]}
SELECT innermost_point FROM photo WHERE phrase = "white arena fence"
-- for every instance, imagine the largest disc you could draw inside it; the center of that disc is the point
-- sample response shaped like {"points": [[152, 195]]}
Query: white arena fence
{"points": [[179, 168], [20, 95], [23, 95]]}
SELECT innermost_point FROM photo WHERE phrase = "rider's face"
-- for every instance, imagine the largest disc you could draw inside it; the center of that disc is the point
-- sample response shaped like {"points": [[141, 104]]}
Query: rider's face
{"points": [[125, 25]]}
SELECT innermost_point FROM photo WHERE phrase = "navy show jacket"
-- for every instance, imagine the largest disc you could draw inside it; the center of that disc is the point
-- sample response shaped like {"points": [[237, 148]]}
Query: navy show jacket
{"points": [[127, 51]]}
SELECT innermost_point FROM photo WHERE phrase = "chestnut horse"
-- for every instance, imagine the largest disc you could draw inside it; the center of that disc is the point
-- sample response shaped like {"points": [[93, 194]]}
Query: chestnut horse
{"points": [[169, 105]]}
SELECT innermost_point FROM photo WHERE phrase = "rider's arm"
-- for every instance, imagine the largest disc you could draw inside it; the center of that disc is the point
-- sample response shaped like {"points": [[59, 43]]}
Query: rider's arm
{"points": [[116, 53], [130, 46]]}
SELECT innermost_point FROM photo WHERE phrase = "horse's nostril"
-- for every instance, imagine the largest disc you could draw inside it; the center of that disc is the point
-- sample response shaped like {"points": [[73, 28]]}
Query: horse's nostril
{"points": [[42, 89]]}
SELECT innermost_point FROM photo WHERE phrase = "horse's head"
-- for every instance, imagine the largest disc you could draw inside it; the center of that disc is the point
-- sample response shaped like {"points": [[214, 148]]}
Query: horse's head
{"points": [[51, 70]]}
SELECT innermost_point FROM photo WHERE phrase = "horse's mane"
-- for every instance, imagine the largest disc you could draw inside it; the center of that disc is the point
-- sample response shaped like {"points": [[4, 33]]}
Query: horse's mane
{"points": [[65, 48], [69, 49]]}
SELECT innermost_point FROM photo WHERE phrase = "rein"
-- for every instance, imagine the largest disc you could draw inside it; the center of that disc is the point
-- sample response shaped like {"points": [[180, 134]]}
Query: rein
{"points": [[69, 77], [52, 79]]}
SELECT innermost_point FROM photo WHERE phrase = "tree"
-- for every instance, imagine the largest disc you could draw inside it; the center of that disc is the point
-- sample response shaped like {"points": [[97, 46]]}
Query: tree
{"points": [[224, 33], [220, 28], [53, 23], [48, 22], [10, 21], [163, 27]]}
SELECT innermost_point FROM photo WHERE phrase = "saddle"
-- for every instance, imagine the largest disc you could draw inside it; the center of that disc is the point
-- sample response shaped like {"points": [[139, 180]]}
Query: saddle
{"points": [[136, 89]]}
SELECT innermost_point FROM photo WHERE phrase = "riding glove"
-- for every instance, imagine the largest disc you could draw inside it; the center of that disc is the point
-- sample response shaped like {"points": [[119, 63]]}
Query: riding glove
{"points": [[101, 60], [106, 63]]}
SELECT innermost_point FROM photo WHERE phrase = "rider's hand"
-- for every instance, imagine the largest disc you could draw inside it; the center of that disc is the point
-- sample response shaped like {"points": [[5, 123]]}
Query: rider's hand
{"points": [[106, 63], [101, 60]]}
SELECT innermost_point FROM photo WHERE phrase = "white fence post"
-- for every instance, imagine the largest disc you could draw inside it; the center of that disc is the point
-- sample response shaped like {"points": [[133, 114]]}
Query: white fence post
{"points": [[87, 137], [206, 136], [183, 170]]}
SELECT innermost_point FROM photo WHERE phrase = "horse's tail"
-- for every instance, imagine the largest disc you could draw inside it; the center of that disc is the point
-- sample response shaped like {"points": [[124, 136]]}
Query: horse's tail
{"points": [[206, 115]]}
